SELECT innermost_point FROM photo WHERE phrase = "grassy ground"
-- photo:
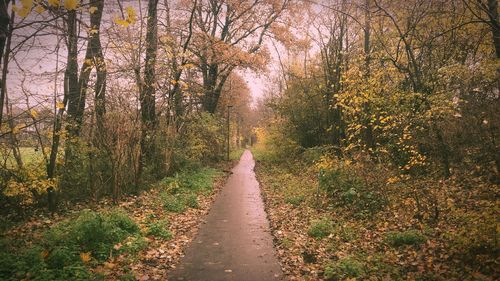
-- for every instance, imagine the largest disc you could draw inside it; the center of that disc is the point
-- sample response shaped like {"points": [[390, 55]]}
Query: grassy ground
{"points": [[338, 238], [141, 238], [28, 155], [235, 154]]}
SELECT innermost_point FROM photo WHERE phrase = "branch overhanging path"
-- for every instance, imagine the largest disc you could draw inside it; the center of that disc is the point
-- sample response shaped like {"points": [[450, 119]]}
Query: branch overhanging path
{"points": [[235, 242]]}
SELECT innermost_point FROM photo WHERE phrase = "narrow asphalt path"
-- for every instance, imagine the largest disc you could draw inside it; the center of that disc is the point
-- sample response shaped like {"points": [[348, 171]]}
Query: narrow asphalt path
{"points": [[235, 242]]}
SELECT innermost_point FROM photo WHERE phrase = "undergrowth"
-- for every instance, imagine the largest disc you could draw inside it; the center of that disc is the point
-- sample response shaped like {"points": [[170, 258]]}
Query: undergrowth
{"points": [[362, 221], [66, 251], [181, 190]]}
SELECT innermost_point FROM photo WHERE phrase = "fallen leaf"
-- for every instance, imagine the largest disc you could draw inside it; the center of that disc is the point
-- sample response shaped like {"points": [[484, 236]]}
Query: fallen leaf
{"points": [[85, 257]]}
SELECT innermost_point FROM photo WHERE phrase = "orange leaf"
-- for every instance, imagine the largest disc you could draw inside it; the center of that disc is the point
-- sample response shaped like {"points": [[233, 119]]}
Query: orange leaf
{"points": [[85, 257]]}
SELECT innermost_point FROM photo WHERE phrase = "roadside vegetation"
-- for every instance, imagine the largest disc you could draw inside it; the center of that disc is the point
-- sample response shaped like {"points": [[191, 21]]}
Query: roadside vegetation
{"points": [[141, 237], [377, 133], [354, 224], [378, 147], [113, 131]]}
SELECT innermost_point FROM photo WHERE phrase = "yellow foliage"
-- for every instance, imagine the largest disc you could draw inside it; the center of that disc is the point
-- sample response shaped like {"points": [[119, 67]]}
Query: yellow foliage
{"points": [[17, 128], [325, 162], [39, 9], [60, 105], [33, 113], [92, 10], [131, 15], [130, 18], [71, 4], [22, 12], [54, 3], [34, 181], [26, 3], [121, 22]]}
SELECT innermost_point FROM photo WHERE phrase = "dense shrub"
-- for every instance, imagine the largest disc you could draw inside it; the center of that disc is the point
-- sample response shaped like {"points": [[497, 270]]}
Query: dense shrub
{"points": [[201, 140], [92, 232], [346, 188], [64, 250]]}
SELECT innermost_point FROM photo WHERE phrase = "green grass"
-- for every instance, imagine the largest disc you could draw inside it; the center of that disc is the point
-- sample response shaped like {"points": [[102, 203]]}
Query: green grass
{"points": [[402, 238], [57, 254], [236, 154], [159, 229], [193, 180], [321, 228], [95, 232], [295, 200], [347, 267], [173, 202], [259, 154], [28, 155], [181, 191]]}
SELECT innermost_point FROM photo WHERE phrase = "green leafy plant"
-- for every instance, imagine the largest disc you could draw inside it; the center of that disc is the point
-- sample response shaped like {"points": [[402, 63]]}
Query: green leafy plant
{"points": [[172, 203], [320, 228], [295, 200], [159, 229], [344, 268], [402, 238], [64, 250]]}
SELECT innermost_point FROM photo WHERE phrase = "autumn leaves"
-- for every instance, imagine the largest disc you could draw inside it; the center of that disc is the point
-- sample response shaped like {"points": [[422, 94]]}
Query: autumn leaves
{"points": [[26, 6]]}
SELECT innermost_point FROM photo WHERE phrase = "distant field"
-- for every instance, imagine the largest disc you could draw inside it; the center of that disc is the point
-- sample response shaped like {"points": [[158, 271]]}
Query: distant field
{"points": [[28, 155]]}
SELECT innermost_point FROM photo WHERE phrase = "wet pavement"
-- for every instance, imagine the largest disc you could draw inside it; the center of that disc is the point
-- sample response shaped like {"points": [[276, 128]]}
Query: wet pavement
{"points": [[235, 242]]}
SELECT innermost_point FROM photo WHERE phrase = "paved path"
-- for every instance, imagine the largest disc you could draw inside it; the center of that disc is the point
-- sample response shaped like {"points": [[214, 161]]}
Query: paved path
{"points": [[235, 242]]}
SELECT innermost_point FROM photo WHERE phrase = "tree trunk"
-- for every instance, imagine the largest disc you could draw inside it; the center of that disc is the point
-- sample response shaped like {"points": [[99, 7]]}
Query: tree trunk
{"points": [[368, 130], [443, 149], [94, 53], [72, 87], [56, 136], [494, 24], [147, 94], [14, 143], [5, 38], [4, 25]]}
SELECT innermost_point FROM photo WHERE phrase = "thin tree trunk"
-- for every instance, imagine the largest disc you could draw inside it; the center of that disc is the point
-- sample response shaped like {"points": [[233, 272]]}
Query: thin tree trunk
{"points": [[13, 139], [494, 24], [100, 65], [6, 27], [56, 136], [72, 86], [368, 134], [147, 94]]}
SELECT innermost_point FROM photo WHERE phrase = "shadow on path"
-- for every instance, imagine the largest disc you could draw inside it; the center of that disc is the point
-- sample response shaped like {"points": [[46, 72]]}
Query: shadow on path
{"points": [[235, 242]]}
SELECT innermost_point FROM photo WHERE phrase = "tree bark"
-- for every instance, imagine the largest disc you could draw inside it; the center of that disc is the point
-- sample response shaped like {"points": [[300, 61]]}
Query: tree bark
{"points": [[147, 94], [495, 24], [368, 131], [71, 82], [4, 25], [5, 35]]}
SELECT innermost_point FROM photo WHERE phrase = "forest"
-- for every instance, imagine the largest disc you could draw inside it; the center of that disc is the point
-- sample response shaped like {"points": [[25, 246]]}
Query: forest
{"points": [[374, 125]]}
